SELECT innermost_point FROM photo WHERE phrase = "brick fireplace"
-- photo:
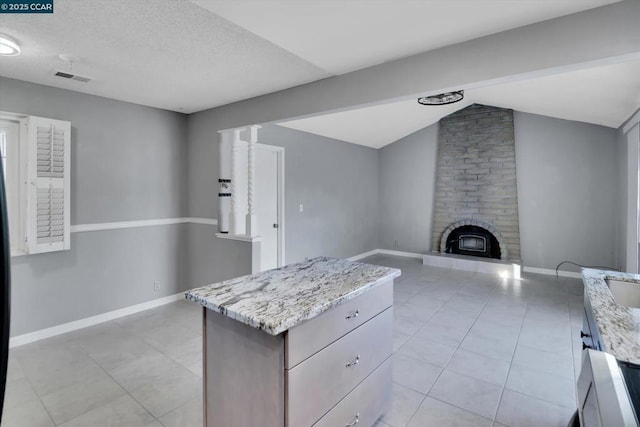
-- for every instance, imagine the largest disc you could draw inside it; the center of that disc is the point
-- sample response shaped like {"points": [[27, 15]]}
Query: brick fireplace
{"points": [[476, 184]]}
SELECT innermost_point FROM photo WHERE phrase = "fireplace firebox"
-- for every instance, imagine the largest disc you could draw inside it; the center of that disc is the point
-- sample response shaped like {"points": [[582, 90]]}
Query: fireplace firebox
{"points": [[474, 241]]}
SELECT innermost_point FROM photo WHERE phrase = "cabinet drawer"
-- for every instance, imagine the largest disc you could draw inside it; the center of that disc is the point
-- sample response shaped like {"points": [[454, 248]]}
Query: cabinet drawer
{"points": [[308, 338], [317, 384], [365, 404]]}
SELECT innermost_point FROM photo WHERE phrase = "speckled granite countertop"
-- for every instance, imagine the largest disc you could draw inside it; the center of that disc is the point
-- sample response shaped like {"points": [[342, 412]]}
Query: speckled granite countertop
{"points": [[277, 300], [618, 325]]}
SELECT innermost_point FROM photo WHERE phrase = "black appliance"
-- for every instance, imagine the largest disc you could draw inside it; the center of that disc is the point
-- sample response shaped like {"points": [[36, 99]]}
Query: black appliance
{"points": [[5, 290]]}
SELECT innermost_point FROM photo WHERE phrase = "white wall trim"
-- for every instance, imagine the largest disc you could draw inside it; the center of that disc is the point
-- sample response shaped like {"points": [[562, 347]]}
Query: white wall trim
{"points": [[197, 220], [90, 321], [551, 272], [81, 228]]}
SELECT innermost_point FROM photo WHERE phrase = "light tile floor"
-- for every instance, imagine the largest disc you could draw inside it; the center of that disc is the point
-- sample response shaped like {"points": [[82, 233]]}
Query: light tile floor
{"points": [[470, 350]]}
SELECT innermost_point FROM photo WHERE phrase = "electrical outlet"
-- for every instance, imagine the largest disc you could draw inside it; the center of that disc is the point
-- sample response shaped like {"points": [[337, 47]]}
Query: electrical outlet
{"points": [[156, 286], [301, 208]]}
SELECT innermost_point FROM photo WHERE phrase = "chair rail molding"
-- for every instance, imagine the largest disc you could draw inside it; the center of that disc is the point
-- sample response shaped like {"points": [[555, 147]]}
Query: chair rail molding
{"points": [[82, 228]]}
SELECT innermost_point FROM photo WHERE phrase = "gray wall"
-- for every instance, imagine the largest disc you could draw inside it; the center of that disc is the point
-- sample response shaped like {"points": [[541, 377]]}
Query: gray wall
{"points": [[337, 183], [567, 191], [128, 162], [108, 185], [103, 271], [407, 181], [568, 40], [567, 176], [111, 143], [211, 259]]}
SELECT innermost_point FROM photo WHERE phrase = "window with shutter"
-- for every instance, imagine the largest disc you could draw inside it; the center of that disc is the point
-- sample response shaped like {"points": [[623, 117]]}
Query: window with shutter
{"points": [[48, 203]]}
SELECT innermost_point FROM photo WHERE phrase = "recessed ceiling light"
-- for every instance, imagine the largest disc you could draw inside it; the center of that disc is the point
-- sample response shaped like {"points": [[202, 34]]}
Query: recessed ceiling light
{"points": [[8, 46], [442, 99]]}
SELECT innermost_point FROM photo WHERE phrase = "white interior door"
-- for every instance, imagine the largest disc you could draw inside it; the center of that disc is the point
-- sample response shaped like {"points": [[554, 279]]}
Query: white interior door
{"points": [[267, 205]]}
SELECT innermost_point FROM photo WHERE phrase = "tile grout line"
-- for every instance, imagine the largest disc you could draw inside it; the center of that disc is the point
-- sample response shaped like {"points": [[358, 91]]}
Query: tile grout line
{"points": [[114, 380], [37, 395], [443, 369], [78, 346], [504, 386], [424, 394], [414, 334], [493, 421], [81, 414], [141, 338], [511, 364]]}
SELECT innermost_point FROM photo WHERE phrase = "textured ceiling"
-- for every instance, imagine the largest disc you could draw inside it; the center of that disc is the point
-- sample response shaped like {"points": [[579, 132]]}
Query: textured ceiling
{"points": [[177, 55], [605, 95], [174, 55]]}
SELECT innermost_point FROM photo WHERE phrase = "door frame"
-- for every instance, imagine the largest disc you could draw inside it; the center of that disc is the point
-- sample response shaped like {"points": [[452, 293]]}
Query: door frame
{"points": [[280, 196]]}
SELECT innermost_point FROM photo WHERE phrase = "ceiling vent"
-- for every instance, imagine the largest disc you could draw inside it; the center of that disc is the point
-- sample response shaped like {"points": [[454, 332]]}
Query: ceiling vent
{"points": [[69, 76]]}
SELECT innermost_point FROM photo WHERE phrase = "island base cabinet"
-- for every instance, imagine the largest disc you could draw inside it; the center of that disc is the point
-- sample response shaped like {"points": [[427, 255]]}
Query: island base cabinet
{"points": [[243, 374], [365, 404], [344, 379]]}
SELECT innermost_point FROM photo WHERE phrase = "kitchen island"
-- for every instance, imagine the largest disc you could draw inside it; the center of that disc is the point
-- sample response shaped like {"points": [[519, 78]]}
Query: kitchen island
{"points": [[306, 344]]}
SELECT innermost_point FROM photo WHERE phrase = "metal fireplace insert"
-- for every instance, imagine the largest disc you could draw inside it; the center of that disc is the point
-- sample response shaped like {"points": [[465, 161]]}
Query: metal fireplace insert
{"points": [[474, 241]]}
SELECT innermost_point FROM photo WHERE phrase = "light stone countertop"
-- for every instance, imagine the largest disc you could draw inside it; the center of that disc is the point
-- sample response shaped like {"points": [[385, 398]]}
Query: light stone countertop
{"points": [[277, 300], [618, 325]]}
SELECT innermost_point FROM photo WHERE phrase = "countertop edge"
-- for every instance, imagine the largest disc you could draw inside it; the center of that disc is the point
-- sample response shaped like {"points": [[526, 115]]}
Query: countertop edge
{"points": [[294, 321]]}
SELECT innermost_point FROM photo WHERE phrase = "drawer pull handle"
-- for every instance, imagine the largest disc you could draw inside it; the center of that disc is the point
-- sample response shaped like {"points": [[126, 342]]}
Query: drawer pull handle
{"points": [[354, 362], [355, 421], [353, 315]]}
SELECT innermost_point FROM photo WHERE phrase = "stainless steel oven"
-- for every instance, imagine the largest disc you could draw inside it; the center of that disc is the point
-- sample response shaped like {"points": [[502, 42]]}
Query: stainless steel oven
{"points": [[607, 391]]}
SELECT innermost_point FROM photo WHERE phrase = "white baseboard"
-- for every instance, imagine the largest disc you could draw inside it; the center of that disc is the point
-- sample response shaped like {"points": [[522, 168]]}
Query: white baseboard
{"points": [[364, 255], [400, 253], [386, 252], [90, 321], [551, 272]]}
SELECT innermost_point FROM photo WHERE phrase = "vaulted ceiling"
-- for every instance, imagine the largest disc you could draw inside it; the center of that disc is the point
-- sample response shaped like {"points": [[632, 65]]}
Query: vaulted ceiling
{"points": [[191, 55], [605, 95]]}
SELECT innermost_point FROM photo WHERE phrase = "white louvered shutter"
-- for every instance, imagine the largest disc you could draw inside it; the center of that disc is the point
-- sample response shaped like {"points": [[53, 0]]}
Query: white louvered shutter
{"points": [[48, 201]]}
